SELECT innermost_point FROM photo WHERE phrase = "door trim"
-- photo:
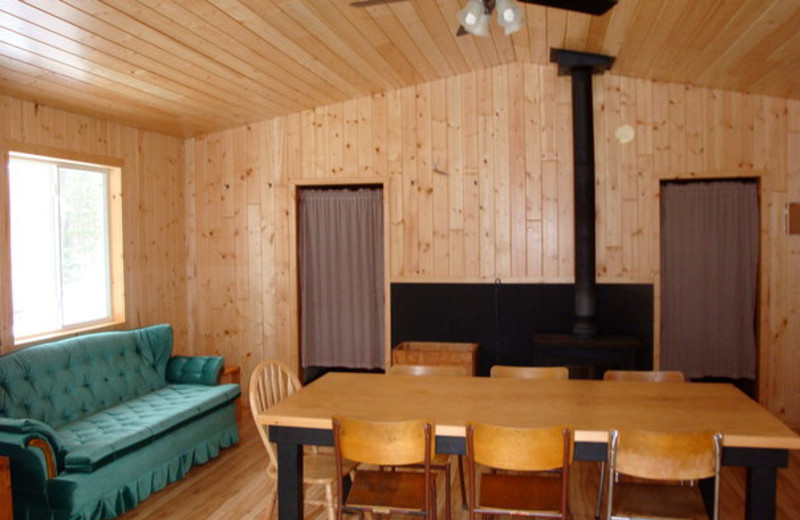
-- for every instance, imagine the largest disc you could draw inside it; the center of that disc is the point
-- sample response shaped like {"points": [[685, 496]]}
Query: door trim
{"points": [[294, 274]]}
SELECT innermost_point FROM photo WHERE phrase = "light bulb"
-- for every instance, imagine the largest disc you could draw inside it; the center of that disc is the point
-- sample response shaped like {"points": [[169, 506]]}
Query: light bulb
{"points": [[473, 18], [509, 16]]}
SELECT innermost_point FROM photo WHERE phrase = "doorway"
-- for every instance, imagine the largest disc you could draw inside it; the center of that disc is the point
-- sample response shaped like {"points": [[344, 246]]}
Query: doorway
{"points": [[341, 278], [709, 279]]}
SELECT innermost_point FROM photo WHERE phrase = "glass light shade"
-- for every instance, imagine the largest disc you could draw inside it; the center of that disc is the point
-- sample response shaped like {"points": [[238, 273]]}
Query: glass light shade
{"points": [[473, 18], [509, 16]]}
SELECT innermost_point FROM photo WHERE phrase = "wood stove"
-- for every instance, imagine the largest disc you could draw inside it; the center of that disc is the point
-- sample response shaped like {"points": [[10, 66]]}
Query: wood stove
{"points": [[583, 351]]}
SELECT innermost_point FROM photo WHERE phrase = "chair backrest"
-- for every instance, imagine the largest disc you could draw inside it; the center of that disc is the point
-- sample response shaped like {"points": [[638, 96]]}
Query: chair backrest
{"points": [[383, 443], [651, 376], [529, 372], [427, 370], [520, 449], [665, 456], [270, 383]]}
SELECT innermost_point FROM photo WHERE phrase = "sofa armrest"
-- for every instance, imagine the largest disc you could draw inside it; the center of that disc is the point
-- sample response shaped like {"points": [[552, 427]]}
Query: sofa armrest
{"points": [[6, 500], [30, 452], [33, 434], [30, 465], [195, 370]]}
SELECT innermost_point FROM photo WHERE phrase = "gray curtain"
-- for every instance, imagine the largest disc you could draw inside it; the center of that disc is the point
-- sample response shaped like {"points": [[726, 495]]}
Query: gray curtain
{"points": [[341, 278], [709, 263]]}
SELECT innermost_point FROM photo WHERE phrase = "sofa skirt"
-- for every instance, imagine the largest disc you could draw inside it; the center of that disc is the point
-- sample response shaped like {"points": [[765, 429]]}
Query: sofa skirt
{"points": [[119, 486]]}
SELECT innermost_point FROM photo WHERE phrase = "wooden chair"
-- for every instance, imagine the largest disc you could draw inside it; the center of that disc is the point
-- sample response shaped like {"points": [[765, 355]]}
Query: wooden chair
{"points": [[271, 383], [427, 370], [647, 376], [529, 372], [665, 457], [441, 461], [535, 476], [396, 444]]}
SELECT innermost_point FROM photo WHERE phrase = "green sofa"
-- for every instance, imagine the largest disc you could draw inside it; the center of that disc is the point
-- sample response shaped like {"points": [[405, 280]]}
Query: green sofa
{"points": [[93, 424]]}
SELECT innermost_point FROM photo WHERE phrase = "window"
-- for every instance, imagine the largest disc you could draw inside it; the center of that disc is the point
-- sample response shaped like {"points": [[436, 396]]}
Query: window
{"points": [[62, 222]]}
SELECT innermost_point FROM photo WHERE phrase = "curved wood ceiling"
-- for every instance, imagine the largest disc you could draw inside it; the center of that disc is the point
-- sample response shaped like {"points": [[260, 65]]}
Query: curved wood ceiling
{"points": [[187, 67]]}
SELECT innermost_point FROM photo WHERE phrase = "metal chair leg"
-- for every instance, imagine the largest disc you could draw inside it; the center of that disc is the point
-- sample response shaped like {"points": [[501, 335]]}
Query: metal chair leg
{"points": [[447, 498], [464, 504], [600, 490]]}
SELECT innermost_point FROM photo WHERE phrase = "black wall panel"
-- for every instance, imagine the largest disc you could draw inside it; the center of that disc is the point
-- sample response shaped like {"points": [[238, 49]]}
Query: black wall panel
{"points": [[504, 317]]}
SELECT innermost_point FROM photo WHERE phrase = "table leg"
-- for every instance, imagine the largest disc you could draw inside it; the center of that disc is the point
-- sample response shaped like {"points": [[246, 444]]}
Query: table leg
{"points": [[760, 502], [290, 481], [762, 478]]}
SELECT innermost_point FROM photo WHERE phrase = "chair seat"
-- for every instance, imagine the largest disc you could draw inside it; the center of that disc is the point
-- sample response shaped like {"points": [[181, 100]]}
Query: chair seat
{"points": [[539, 493], [658, 501], [319, 468], [441, 461], [401, 491]]}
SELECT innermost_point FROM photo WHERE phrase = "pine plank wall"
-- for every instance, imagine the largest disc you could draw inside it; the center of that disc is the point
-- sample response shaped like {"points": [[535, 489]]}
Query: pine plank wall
{"points": [[153, 191], [476, 171]]}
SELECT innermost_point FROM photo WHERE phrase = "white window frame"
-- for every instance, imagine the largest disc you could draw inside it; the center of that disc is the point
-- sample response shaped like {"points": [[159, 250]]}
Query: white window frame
{"points": [[115, 245]]}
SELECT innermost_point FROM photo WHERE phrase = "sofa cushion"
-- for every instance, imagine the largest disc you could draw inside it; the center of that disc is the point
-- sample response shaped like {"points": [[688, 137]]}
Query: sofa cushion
{"points": [[65, 380], [194, 370], [104, 436]]}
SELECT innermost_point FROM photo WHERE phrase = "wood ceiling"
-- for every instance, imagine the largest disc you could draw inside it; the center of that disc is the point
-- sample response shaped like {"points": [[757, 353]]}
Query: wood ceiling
{"points": [[187, 67]]}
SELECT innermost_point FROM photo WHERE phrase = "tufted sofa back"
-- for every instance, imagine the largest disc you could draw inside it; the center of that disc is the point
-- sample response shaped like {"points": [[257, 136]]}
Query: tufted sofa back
{"points": [[61, 381]]}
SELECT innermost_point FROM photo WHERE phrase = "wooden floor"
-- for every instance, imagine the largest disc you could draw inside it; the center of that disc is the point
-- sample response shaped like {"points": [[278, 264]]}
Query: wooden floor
{"points": [[235, 486]]}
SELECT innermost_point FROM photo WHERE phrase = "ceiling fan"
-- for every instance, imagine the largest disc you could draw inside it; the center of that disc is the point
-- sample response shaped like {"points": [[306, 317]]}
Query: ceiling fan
{"points": [[474, 17], [370, 3]]}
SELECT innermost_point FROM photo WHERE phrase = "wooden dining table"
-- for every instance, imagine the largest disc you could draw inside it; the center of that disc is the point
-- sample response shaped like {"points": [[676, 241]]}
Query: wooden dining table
{"points": [[753, 437]]}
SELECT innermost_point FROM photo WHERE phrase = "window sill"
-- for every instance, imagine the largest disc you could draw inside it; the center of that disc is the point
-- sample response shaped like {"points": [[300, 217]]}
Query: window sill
{"points": [[43, 338]]}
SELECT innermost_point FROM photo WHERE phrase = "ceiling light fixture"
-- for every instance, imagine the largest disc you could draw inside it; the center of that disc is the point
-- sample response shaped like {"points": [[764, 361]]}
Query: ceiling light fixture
{"points": [[474, 17], [509, 16]]}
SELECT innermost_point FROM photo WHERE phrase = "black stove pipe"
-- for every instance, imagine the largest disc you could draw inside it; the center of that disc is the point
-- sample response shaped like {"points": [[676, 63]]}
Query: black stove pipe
{"points": [[584, 325], [581, 67]]}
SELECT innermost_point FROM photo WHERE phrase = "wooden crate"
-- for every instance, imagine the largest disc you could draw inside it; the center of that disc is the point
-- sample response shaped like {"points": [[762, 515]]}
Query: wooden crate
{"points": [[434, 353], [233, 374]]}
